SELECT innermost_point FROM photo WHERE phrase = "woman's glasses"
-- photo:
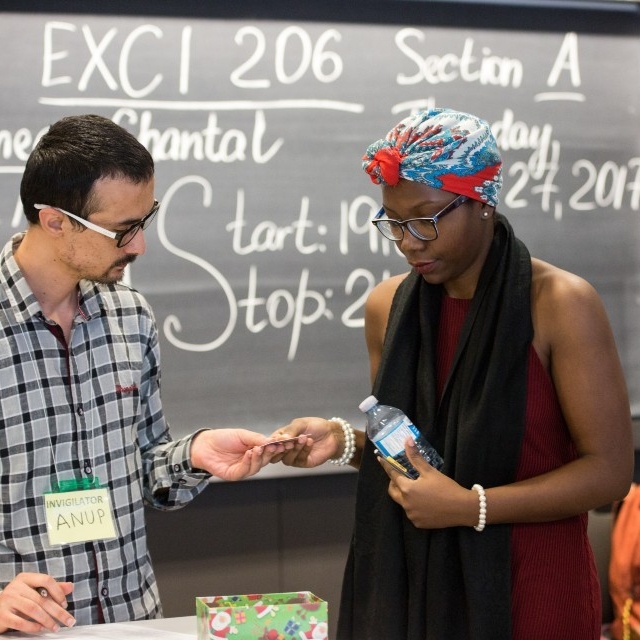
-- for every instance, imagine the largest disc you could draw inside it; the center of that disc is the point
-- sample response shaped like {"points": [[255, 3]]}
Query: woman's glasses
{"points": [[421, 228]]}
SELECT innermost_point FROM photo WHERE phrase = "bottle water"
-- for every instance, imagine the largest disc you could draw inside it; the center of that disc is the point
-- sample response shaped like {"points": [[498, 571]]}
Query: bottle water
{"points": [[388, 428]]}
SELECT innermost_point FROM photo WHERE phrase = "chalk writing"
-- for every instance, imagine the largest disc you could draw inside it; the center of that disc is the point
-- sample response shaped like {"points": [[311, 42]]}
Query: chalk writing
{"points": [[260, 126]]}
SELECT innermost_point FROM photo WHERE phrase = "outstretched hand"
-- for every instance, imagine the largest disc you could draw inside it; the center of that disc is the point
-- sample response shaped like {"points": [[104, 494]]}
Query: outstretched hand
{"points": [[234, 454], [322, 439]]}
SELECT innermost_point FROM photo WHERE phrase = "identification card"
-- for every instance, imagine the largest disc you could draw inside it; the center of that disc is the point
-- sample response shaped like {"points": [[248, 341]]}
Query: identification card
{"points": [[79, 516]]}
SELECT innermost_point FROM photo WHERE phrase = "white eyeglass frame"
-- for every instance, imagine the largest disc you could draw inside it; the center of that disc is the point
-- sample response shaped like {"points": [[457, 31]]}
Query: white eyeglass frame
{"points": [[114, 235], [90, 225]]}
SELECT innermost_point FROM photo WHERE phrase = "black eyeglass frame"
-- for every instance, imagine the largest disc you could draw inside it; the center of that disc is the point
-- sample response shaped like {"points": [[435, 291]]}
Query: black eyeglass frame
{"points": [[378, 221], [136, 226]]}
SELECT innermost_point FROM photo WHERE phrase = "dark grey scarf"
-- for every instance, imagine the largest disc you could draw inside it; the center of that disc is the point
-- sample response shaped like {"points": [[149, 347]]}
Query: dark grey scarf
{"points": [[411, 584]]}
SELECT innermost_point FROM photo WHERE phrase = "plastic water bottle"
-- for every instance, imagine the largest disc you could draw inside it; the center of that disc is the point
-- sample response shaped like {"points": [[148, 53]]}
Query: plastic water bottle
{"points": [[388, 428]]}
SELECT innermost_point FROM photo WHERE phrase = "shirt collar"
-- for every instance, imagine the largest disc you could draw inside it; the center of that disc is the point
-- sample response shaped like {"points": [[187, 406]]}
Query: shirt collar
{"points": [[24, 303]]}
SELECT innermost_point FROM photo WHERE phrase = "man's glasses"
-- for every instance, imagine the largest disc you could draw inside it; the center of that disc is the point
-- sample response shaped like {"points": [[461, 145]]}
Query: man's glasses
{"points": [[421, 228], [122, 237]]}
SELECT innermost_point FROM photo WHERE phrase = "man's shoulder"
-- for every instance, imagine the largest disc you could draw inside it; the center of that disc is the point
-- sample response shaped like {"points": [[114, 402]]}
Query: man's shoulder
{"points": [[118, 298]]}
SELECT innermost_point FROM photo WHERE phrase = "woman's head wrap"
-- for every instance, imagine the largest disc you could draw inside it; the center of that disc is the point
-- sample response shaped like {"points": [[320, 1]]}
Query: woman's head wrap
{"points": [[442, 148]]}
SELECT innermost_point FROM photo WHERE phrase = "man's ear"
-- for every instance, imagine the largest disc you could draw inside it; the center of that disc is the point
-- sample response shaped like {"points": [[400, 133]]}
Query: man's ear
{"points": [[51, 220]]}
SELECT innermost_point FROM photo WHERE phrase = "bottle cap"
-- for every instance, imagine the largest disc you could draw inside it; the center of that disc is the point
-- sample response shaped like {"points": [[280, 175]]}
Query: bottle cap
{"points": [[367, 403]]}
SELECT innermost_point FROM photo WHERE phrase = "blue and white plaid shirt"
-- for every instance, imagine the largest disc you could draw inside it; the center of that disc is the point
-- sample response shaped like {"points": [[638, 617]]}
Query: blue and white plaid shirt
{"points": [[90, 410]]}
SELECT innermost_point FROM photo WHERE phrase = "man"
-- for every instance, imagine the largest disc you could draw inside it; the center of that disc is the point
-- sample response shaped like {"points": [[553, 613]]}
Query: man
{"points": [[82, 426]]}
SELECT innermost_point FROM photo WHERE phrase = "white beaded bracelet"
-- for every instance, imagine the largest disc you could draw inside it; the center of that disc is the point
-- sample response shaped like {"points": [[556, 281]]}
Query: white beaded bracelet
{"points": [[349, 443], [482, 518]]}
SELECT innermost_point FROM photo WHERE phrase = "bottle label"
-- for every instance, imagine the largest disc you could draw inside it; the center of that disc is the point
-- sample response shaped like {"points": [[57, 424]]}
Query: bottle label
{"points": [[392, 443]]}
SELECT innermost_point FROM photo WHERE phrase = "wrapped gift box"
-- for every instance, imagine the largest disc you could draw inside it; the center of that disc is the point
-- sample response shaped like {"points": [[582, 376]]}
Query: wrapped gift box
{"points": [[262, 616]]}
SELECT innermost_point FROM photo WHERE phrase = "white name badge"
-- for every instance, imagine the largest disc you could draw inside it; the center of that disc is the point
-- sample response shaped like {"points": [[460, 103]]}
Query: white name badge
{"points": [[79, 516]]}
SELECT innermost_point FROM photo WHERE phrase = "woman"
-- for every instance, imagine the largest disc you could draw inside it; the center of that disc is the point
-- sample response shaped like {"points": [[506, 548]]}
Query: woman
{"points": [[508, 366]]}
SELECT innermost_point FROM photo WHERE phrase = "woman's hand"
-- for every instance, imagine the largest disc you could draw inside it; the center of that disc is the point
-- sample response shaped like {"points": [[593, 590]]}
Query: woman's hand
{"points": [[321, 439], [433, 500]]}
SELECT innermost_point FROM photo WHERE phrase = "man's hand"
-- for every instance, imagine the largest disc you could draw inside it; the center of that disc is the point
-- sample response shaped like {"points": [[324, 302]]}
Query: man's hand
{"points": [[35, 602], [234, 454]]}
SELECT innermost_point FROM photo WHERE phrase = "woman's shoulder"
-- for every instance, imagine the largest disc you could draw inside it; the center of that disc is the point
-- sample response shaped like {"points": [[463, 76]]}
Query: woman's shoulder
{"points": [[377, 308], [382, 294], [551, 285], [389, 285], [566, 310]]}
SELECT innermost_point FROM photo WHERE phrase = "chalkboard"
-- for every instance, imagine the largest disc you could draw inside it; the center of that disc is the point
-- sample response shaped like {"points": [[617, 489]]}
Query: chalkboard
{"points": [[262, 254]]}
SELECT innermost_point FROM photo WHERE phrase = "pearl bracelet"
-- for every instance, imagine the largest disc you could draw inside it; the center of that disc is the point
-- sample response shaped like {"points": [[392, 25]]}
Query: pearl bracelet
{"points": [[349, 443], [482, 498]]}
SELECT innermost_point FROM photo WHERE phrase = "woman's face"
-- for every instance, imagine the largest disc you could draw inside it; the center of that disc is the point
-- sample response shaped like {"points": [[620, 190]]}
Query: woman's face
{"points": [[456, 257]]}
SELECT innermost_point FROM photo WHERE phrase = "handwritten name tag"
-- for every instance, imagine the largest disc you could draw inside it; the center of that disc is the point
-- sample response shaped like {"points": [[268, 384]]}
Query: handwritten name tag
{"points": [[79, 516]]}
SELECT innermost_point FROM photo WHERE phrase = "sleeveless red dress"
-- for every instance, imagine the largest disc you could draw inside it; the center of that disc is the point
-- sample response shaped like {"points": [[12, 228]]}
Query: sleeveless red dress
{"points": [[555, 592]]}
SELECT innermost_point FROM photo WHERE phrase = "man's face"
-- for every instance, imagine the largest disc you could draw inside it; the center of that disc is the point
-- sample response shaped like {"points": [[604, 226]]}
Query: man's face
{"points": [[92, 256]]}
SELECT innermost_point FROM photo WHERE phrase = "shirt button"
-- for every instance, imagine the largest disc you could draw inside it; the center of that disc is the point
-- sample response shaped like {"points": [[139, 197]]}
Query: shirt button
{"points": [[104, 591], [177, 468], [87, 469], [80, 411]]}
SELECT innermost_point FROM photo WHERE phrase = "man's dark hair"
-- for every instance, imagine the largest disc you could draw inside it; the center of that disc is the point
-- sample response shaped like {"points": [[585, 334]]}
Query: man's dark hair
{"points": [[74, 153]]}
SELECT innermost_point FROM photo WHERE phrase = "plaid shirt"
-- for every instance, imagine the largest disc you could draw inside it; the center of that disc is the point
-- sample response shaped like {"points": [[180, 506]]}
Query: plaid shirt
{"points": [[92, 410]]}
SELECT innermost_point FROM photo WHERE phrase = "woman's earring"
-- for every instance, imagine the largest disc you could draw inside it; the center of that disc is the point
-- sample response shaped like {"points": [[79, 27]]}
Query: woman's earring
{"points": [[485, 214]]}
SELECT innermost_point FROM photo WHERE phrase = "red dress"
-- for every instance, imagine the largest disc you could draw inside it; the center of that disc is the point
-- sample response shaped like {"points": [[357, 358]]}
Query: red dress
{"points": [[555, 592]]}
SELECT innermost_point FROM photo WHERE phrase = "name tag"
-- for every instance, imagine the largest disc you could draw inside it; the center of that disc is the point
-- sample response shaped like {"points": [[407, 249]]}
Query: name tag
{"points": [[79, 516]]}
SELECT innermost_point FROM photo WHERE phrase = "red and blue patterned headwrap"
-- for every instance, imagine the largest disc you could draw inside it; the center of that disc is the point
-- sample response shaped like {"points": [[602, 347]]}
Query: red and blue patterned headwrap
{"points": [[442, 148]]}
